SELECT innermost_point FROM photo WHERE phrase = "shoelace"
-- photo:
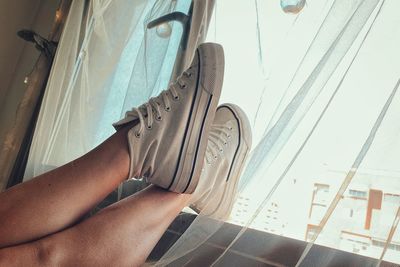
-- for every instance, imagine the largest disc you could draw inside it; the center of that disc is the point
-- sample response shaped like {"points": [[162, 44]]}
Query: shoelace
{"points": [[154, 104], [217, 140]]}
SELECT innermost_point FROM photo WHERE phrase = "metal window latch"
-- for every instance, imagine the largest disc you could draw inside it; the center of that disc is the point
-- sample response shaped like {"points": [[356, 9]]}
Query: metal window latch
{"points": [[41, 43]]}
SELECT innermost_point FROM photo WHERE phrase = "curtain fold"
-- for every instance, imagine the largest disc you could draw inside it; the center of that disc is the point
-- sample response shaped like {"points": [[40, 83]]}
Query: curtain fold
{"points": [[59, 76]]}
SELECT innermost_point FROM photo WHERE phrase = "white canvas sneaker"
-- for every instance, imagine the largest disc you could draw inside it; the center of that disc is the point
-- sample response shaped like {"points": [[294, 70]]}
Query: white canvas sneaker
{"points": [[228, 146], [168, 142]]}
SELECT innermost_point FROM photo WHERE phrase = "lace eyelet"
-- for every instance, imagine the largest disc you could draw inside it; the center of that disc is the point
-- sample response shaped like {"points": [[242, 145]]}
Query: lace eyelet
{"points": [[167, 109], [176, 98], [137, 134], [229, 136], [158, 118], [149, 127], [184, 86]]}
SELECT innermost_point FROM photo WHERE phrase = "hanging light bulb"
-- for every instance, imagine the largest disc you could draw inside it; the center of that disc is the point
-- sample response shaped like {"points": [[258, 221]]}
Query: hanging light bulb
{"points": [[292, 6], [164, 30]]}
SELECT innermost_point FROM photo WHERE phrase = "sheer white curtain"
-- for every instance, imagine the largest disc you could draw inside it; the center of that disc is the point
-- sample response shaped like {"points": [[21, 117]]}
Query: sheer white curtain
{"points": [[320, 89], [107, 62]]}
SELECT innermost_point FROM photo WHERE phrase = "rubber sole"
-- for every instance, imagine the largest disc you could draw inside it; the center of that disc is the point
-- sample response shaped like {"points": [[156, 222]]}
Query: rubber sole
{"points": [[210, 79]]}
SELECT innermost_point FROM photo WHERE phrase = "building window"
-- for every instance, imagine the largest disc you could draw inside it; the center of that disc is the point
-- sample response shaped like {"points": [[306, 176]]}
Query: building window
{"points": [[357, 193], [391, 198], [382, 244], [321, 187]]}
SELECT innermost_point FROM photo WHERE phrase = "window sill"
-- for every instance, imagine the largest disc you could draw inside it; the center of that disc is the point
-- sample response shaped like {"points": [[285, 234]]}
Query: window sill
{"points": [[254, 248]]}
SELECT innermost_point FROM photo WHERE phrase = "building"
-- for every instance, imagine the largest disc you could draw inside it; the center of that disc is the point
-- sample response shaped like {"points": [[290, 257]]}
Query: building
{"points": [[363, 221]]}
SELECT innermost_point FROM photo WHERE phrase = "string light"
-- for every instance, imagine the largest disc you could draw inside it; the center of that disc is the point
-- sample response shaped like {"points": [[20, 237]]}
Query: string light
{"points": [[58, 18], [26, 79], [58, 15]]}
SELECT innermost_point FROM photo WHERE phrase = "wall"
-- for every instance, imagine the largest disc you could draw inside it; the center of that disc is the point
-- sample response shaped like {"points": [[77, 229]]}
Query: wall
{"points": [[17, 57]]}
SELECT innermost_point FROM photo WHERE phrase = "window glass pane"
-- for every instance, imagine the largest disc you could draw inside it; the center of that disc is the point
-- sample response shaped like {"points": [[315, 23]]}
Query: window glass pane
{"points": [[145, 66], [268, 62]]}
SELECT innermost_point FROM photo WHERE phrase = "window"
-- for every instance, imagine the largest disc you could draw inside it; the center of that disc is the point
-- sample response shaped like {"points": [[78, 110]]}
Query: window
{"points": [[391, 198], [358, 193], [265, 61], [382, 244]]}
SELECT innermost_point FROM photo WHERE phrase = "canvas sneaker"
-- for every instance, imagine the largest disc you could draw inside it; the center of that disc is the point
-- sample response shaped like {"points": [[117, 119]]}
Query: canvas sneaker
{"points": [[168, 141], [228, 146]]}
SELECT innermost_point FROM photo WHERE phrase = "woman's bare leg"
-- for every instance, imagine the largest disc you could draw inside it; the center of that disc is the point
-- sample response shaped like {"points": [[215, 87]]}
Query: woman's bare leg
{"points": [[57, 199], [122, 234]]}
